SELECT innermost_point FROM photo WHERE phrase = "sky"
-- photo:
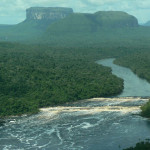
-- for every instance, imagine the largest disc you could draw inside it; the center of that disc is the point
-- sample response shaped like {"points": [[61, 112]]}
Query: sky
{"points": [[13, 11]]}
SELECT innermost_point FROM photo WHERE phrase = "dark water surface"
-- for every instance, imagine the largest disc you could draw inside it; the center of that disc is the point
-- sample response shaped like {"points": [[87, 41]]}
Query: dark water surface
{"points": [[96, 124]]}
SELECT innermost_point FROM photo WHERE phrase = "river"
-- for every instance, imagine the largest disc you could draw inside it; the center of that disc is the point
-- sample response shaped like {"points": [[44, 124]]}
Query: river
{"points": [[133, 85], [95, 124]]}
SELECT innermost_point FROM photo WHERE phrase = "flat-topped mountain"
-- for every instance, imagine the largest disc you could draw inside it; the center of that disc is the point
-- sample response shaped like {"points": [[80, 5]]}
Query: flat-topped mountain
{"points": [[45, 21], [85, 22], [115, 19], [47, 13]]}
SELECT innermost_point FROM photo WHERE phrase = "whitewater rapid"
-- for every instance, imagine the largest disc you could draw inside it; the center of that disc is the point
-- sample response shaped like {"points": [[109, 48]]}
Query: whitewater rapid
{"points": [[99, 124]]}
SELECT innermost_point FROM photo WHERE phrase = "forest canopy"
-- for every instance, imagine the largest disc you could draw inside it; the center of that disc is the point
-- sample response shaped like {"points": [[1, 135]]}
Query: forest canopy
{"points": [[33, 76]]}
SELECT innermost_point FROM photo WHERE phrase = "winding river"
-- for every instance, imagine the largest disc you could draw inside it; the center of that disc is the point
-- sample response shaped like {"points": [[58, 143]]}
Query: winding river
{"points": [[94, 124], [133, 85]]}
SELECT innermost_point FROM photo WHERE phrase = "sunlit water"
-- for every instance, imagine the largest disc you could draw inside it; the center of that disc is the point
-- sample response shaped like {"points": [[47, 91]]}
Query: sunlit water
{"points": [[96, 124]]}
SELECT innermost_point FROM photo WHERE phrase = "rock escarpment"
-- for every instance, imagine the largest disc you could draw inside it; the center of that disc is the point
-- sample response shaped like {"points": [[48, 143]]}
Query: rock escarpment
{"points": [[47, 13], [108, 19]]}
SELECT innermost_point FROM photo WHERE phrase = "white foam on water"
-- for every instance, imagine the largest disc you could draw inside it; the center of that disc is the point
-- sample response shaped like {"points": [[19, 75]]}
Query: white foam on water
{"points": [[92, 110], [49, 132], [43, 146], [87, 125], [108, 104], [64, 126], [59, 137]]}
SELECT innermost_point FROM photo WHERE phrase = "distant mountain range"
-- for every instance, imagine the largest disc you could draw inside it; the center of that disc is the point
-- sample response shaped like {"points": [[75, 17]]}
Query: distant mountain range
{"points": [[80, 22], [47, 21]]}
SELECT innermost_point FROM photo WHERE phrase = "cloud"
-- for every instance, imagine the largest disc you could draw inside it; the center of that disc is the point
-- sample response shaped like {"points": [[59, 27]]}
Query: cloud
{"points": [[15, 9]]}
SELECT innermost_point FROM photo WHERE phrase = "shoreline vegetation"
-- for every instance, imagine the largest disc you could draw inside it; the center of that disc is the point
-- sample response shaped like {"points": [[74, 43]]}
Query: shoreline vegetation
{"points": [[141, 146], [146, 110]]}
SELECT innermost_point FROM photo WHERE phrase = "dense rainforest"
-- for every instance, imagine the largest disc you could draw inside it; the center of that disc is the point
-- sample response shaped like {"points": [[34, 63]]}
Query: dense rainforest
{"points": [[65, 70], [34, 76], [140, 146]]}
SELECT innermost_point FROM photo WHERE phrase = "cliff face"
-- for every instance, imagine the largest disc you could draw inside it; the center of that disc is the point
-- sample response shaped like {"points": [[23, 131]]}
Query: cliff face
{"points": [[48, 13], [113, 19]]}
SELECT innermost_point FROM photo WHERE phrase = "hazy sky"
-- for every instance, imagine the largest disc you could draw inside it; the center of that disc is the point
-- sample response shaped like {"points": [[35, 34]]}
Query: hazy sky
{"points": [[13, 11]]}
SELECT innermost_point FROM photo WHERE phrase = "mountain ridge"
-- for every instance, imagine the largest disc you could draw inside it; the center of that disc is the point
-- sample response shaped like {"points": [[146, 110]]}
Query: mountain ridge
{"points": [[58, 20], [86, 22]]}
